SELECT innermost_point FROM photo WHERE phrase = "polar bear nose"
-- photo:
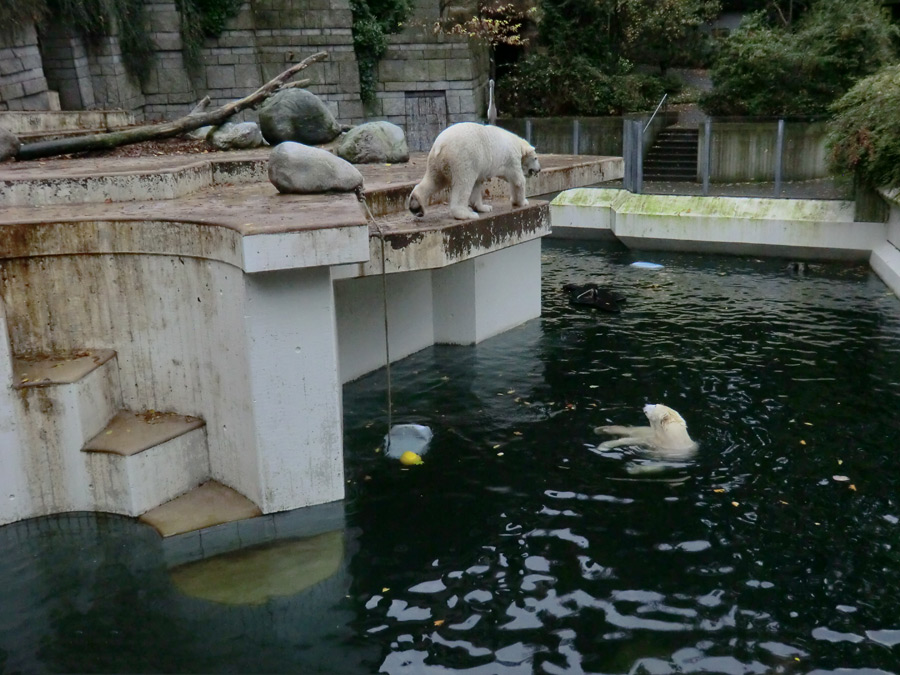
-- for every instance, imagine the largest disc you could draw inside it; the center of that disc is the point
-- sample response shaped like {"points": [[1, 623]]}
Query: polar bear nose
{"points": [[649, 408]]}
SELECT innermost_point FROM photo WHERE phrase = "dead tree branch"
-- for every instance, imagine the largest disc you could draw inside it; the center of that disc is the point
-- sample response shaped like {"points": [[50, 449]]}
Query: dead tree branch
{"points": [[152, 132]]}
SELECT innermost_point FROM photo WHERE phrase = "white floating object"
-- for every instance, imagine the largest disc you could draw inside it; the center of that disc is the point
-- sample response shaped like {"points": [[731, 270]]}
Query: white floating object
{"points": [[407, 438], [647, 265]]}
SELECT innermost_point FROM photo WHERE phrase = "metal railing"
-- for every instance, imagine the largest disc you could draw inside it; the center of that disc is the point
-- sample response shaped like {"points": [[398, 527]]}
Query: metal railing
{"points": [[661, 101]]}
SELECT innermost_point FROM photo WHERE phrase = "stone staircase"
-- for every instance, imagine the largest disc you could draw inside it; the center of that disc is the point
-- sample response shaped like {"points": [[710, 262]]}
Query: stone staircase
{"points": [[98, 456], [673, 157]]}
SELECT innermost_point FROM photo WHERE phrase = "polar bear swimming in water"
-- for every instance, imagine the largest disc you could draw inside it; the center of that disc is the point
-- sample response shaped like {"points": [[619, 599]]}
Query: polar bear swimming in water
{"points": [[666, 437], [466, 154]]}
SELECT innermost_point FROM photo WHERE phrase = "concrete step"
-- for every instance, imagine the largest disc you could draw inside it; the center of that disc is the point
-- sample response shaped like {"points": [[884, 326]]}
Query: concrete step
{"points": [[672, 151], [64, 400], [663, 161], [677, 177], [204, 506], [143, 459], [672, 132]]}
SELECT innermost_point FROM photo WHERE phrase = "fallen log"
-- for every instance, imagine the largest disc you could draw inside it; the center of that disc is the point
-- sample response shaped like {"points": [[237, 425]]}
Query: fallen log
{"points": [[152, 132]]}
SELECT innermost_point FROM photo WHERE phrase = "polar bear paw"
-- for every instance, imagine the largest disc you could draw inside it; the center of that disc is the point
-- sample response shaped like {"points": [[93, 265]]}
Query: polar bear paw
{"points": [[463, 213]]}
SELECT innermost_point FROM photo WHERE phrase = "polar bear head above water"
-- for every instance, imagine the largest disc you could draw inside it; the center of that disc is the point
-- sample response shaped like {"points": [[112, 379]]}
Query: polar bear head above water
{"points": [[667, 433], [463, 157]]}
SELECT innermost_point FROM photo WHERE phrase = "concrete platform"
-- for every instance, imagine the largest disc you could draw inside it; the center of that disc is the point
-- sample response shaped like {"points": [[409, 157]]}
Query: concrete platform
{"points": [[43, 371], [129, 433], [240, 306], [209, 504]]}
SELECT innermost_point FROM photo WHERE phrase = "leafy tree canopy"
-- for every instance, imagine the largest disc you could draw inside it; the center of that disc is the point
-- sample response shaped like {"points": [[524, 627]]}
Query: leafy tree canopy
{"points": [[766, 70], [864, 136], [665, 32]]}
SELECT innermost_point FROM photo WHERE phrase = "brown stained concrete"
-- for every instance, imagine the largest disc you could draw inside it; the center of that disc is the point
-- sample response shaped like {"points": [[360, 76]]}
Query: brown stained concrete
{"points": [[181, 226], [209, 504], [437, 239], [42, 370], [129, 433]]}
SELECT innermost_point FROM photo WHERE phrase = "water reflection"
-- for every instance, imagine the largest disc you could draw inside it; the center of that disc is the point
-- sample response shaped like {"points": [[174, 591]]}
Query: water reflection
{"points": [[516, 548]]}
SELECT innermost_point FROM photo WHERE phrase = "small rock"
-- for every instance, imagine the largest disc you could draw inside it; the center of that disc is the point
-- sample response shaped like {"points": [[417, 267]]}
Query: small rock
{"points": [[9, 144], [297, 115], [199, 134], [374, 142], [240, 136], [300, 169]]}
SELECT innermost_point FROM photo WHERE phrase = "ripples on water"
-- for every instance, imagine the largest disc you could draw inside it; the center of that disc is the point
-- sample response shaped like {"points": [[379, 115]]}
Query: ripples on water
{"points": [[516, 549]]}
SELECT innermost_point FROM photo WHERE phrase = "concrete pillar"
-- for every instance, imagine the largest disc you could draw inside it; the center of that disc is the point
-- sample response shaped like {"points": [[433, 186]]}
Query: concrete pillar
{"points": [[479, 298], [360, 320], [294, 388], [15, 502]]}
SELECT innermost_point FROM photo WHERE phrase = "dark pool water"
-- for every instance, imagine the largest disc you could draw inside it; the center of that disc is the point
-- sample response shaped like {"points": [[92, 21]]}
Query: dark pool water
{"points": [[516, 547]]}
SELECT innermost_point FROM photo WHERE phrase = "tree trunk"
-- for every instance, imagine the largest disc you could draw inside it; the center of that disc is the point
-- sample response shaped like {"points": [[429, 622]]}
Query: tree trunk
{"points": [[152, 132]]}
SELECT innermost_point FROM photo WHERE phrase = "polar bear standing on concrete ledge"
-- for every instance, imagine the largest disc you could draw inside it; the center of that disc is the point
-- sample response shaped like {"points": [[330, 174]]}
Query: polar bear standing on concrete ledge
{"points": [[465, 155]]}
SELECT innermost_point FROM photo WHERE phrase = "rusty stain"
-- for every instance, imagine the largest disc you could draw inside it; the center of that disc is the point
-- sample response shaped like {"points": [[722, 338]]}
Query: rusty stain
{"points": [[488, 233], [401, 240]]}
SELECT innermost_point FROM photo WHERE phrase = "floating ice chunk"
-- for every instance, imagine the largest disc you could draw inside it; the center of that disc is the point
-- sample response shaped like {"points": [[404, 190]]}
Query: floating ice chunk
{"points": [[407, 438], [647, 265]]}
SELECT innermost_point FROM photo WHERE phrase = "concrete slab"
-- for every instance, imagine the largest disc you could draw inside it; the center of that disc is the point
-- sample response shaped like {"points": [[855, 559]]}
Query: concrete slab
{"points": [[438, 240], [209, 504], [129, 433], [44, 371]]}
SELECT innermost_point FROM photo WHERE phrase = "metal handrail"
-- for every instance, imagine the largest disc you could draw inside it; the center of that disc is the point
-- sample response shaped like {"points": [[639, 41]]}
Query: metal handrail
{"points": [[661, 101]]}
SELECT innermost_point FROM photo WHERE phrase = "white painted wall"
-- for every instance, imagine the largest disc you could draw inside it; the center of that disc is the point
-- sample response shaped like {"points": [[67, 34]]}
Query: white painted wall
{"points": [[360, 320], [14, 494], [176, 324], [885, 259], [479, 298], [294, 386], [806, 228]]}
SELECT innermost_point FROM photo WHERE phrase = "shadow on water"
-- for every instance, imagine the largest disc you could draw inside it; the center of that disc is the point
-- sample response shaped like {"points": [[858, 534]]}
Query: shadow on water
{"points": [[517, 547]]}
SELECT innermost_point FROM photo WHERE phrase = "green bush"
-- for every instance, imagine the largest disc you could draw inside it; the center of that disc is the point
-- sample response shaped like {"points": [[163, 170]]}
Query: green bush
{"points": [[546, 86], [864, 136], [763, 70], [373, 21]]}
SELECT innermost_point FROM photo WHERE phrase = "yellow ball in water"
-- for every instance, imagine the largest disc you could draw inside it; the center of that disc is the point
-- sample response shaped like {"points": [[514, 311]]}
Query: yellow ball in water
{"points": [[409, 458]]}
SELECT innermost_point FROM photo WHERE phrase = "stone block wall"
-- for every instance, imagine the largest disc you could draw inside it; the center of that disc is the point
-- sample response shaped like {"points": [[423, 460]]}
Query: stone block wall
{"points": [[23, 85], [87, 78], [428, 81]]}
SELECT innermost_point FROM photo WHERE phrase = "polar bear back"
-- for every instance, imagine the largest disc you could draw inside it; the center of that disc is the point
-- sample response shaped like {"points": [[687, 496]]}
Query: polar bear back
{"points": [[472, 148]]}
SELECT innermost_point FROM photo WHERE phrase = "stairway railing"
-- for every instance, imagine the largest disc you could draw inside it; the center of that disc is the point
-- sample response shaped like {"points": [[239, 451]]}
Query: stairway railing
{"points": [[650, 121]]}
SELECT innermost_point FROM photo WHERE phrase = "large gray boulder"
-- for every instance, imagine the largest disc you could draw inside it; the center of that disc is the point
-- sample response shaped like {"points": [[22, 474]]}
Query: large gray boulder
{"points": [[374, 142], [9, 144], [297, 115], [300, 169], [239, 136]]}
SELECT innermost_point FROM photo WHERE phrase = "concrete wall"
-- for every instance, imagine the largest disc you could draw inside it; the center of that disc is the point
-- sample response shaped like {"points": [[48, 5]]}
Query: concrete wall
{"points": [[745, 151], [809, 229], [264, 39], [596, 135], [87, 78], [23, 85], [430, 81], [885, 258], [462, 303]]}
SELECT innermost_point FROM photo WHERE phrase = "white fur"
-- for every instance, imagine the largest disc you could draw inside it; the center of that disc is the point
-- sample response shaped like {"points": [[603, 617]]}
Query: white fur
{"points": [[667, 433], [465, 155]]}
